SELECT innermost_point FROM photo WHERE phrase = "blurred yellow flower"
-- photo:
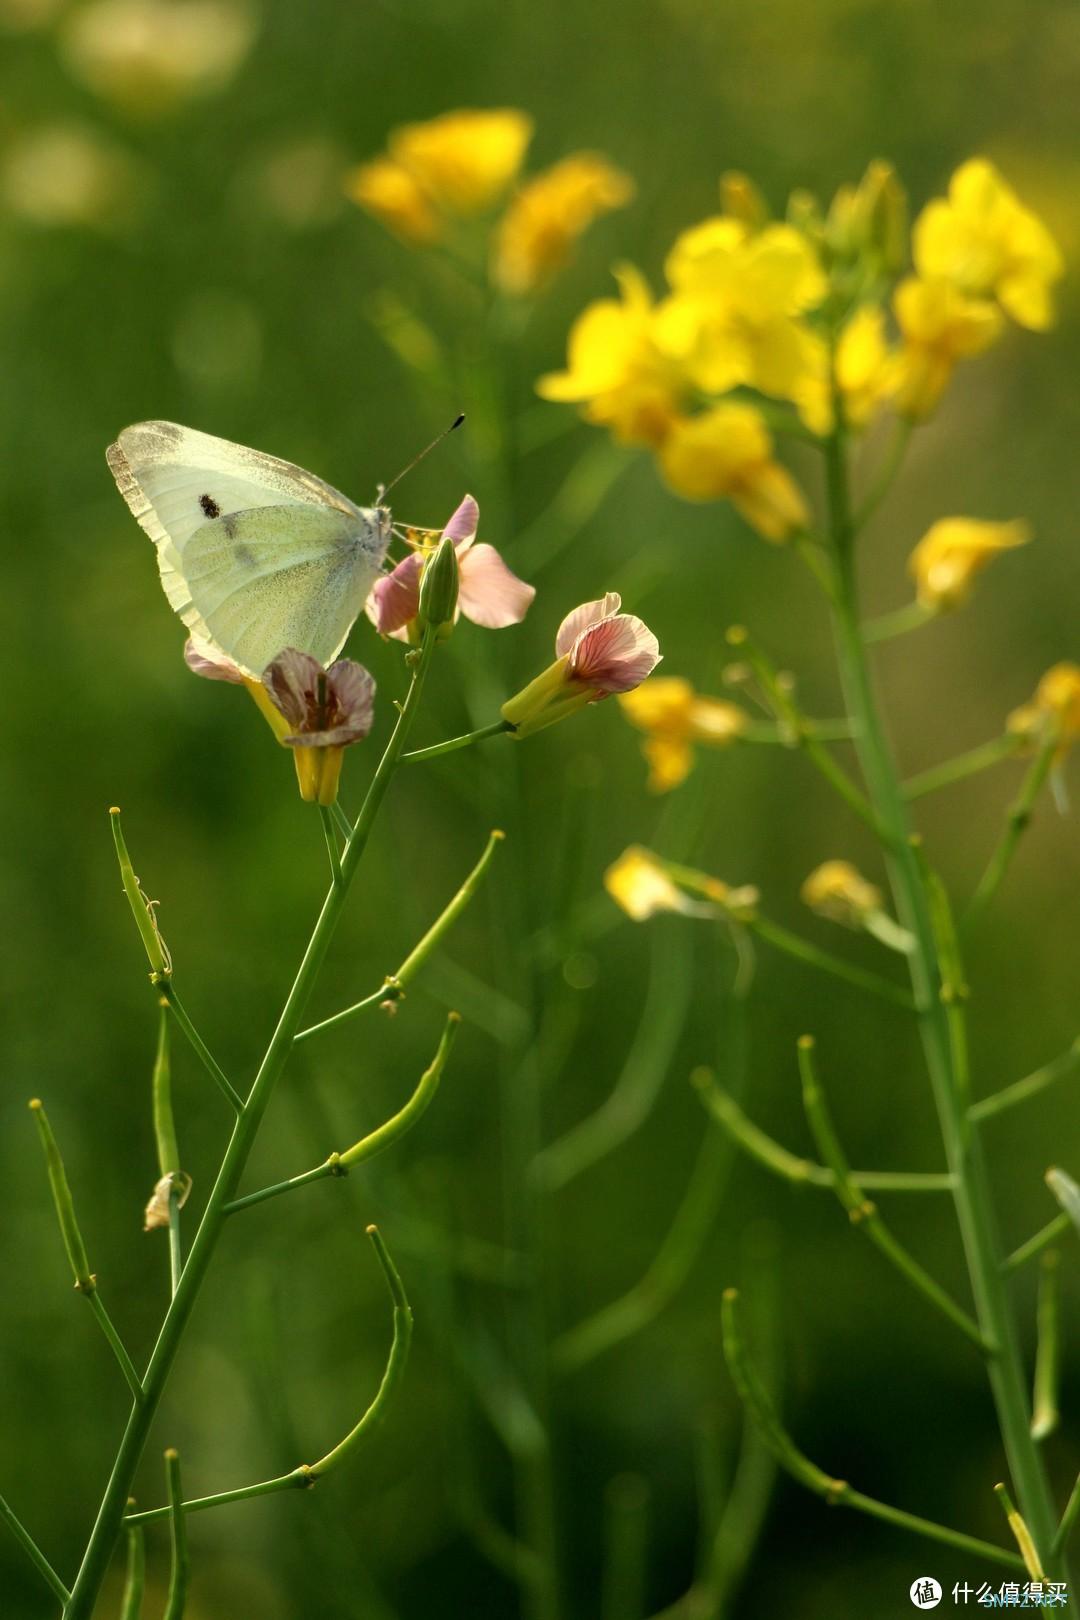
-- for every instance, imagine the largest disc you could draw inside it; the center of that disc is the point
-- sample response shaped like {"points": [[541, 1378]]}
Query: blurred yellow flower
{"points": [[674, 717], [984, 242], [616, 368], [147, 56], [395, 197], [865, 374], [728, 451], [939, 325], [952, 551], [65, 174], [638, 883], [738, 296], [837, 890], [1054, 711], [549, 213], [464, 160]]}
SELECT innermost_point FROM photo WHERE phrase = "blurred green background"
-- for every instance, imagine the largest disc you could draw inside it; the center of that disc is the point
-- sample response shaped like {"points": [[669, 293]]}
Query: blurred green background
{"points": [[219, 278]]}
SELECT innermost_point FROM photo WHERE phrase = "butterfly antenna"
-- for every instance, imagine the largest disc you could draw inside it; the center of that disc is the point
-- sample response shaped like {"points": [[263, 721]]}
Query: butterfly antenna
{"points": [[384, 489]]}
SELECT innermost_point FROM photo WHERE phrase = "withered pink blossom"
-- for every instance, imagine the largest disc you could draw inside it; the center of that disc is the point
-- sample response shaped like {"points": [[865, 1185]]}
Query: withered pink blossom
{"points": [[607, 650], [490, 593], [325, 710]]}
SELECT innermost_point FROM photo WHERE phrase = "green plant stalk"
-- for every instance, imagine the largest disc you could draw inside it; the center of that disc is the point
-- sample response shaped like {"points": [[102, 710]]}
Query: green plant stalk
{"points": [[754, 1142], [135, 1578], [861, 1211], [838, 1492], [803, 951], [963, 1151], [1035, 1245], [168, 1151], [1022, 1534], [330, 836], [393, 987], [898, 623], [626, 1548], [964, 765], [178, 1573], [1030, 1086], [33, 1552], [1019, 815], [497, 728], [1045, 1415], [111, 1512], [200, 1048]]}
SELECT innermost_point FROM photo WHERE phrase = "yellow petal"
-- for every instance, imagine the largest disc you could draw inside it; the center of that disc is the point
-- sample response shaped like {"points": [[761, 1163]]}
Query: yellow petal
{"points": [[638, 883], [464, 160]]}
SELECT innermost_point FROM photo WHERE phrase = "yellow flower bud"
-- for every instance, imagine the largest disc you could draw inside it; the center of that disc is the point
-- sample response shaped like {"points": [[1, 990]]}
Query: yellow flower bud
{"points": [[836, 890], [952, 552]]}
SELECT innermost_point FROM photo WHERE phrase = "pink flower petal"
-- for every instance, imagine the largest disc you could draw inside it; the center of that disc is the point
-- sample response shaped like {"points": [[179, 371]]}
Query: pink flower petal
{"points": [[292, 681], [615, 655], [491, 594], [395, 598], [582, 617], [352, 689], [463, 525], [204, 659]]}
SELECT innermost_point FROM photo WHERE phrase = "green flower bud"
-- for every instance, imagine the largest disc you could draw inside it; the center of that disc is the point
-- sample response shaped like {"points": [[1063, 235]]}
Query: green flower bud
{"points": [[439, 586]]}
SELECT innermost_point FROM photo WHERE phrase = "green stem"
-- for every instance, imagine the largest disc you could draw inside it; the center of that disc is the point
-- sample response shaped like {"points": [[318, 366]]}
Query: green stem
{"points": [[331, 1167], [198, 1045], [497, 728], [898, 623], [891, 463], [126, 1365], [168, 1151], [626, 1547], [135, 1578], [330, 837], [962, 1147], [1016, 821], [668, 1272], [794, 945], [862, 1212], [178, 1575], [244, 1493], [1018, 1525], [802, 733], [835, 1491], [724, 1108], [1068, 1519], [110, 1514], [176, 1251], [963, 766], [1058, 1227], [394, 986], [34, 1553], [1045, 1415], [1030, 1086]]}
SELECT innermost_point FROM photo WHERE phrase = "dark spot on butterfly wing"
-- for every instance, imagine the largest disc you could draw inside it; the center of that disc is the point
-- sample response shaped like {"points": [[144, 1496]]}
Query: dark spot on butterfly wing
{"points": [[210, 506]]}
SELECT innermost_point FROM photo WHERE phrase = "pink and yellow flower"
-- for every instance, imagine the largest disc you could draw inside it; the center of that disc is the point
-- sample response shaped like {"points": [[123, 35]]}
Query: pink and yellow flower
{"points": [[599, 652], [489, 593], [325, 710]]}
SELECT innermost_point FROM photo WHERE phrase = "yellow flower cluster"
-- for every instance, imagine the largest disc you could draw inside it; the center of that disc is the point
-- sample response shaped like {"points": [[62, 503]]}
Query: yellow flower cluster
{"points": [[798, 311], [437, 176], [642, 883], [674, 717]]}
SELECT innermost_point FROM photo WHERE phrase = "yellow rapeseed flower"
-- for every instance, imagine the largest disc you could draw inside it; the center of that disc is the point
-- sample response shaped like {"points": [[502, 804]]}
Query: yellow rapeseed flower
{"points": [[728, 451], [1054, 710], [549, 213], [865, 374], [638, 883], [387, 190], [952, 551], [674, 717], [616, 368], [464, 160], [739, 294], [983, 241], [838, 891], [939, 325]]}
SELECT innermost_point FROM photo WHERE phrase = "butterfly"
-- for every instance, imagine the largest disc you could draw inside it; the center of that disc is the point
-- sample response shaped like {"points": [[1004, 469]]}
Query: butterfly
{"points": [[254, 554]]}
